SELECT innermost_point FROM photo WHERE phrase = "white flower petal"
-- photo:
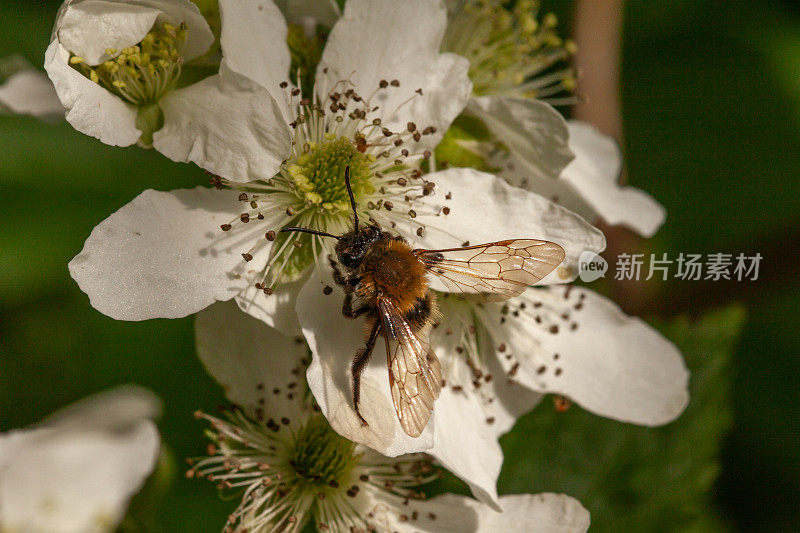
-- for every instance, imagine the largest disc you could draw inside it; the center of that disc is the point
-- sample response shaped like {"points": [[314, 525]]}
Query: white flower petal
{"points": [[574, 342], [532, 130], [117, 409], [76, 473], [251, 360], [226, 124], [254, 42], [325, 12], [88, 28], [163, 255], [477, 403], [484, 208], [388, 40], [534, 513], [277, 310], [31, 92], [90, 108], [594, 175], [199, 37], [334, 340]]}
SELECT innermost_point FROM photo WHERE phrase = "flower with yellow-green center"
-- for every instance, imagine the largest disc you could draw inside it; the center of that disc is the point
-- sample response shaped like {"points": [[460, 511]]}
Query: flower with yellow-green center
{"points": [[118, 68], [289, 469]]}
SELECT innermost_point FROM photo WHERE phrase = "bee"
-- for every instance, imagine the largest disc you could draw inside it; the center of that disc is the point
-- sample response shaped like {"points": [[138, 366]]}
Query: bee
{"points": [[385, 280]]}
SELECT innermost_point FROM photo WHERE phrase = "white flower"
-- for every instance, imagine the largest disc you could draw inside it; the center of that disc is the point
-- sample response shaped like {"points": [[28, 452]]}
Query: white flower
{"points": [[116, 66], [27, 91], [497, 360], [172, 254], [589, 185], [514, 69], [511, 59], [77, 470], [292, 468]]}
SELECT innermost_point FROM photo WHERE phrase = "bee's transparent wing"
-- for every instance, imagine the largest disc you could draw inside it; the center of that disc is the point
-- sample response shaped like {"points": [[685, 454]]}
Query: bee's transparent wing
{"points": [[494, 271], [415, 375]]}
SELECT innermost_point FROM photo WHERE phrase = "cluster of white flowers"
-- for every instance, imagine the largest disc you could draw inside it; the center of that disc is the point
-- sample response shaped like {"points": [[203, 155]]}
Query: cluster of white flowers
{"points": [[389, 80]]}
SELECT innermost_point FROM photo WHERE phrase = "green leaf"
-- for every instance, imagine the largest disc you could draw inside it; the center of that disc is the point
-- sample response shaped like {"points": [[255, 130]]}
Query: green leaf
{"points": [[464, 143], [634, 478]]}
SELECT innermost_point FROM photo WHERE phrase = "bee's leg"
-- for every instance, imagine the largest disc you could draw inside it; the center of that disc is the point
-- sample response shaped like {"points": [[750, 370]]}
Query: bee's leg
{"points": [[347, 307], [360, 363]]}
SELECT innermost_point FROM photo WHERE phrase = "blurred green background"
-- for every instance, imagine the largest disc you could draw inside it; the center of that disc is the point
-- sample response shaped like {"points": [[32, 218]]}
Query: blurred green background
{"points": [[711, 103]]}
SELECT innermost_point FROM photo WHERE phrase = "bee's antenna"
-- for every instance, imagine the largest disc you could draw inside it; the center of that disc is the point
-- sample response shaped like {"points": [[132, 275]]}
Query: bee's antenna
{"points": [[312, 231], [350, 193]]}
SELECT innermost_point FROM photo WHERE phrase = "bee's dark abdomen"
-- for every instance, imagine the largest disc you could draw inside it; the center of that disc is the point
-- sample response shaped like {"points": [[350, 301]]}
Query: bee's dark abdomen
{"points": [[422, 310]]}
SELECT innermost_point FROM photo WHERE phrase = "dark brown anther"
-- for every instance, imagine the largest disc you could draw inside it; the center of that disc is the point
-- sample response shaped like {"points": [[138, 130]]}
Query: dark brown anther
{"points": [[402, 182], [419, 232], [225, 227], [304, 101], [388, 205], [383, 84], [419, 91], [245, 217], [268, 291], [327, 290], [270, 235], [284, 85], [448, 196], [247, 257], [395, 83], [417, 136], [427, 154], [411, 127], [386, 132], [243, 197]]}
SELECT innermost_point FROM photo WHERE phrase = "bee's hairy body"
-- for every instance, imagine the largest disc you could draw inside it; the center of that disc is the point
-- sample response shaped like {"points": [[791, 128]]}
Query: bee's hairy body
{"points": [[385, 280], [379, 265], [391, 270]]}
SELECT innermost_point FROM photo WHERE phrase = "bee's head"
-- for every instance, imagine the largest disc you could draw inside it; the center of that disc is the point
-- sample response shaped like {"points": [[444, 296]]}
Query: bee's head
{"points": [[353, 245]]}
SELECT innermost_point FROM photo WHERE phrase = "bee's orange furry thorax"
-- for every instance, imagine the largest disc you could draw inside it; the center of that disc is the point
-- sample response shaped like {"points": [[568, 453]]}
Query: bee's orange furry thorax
{"points": [[392, 270]]}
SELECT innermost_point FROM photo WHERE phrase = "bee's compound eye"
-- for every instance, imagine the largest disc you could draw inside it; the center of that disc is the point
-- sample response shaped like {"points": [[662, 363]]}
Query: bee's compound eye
{"points": [[347, 258]]}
